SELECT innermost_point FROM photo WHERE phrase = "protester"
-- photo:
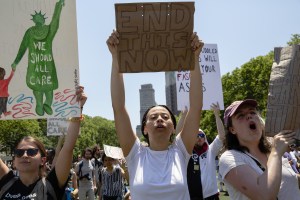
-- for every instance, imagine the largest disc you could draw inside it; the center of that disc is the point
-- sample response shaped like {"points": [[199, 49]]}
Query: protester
{"points": [[85, 171], [52, 154], [201, 171], [157, 171], [251, 167], [98, 164], [292, 160], [30, 157], [111, 179]]}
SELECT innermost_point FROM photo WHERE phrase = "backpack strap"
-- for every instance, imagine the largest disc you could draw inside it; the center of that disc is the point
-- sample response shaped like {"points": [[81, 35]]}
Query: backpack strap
{"points": [[8, 185], [79, 170], [42, 187]]}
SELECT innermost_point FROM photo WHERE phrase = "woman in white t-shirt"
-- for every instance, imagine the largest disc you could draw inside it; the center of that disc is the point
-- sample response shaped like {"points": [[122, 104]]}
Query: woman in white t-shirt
{"points": [[159, 170], [251, 167]]}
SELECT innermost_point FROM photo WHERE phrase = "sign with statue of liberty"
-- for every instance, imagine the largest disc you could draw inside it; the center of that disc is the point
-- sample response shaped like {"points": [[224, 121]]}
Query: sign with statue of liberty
{"points": [[39, 68]]}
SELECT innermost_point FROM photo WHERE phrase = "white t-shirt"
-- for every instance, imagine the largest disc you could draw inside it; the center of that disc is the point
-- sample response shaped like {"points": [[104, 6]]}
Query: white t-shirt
{"points": [[158, 175], [208, 168], [230, 159]]}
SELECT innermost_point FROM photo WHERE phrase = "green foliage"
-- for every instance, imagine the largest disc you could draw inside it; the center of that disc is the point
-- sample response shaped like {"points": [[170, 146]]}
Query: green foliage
{"points": [[295, 39], [208, 125], [251, 81], [96, 130], [11, 131]]}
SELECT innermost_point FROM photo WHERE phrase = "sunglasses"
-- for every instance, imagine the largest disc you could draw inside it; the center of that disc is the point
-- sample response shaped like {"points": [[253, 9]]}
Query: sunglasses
{"points": [[201, 135], [29, 152]]}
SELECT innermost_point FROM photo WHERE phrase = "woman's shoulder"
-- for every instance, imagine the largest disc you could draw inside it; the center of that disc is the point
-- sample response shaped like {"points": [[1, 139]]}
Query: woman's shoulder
{"points": [[230, 155]]}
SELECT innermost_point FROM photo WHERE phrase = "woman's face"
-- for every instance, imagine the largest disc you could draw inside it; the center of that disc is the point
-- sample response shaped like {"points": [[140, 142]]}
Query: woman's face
{"points": [[28, 157], [246, 125], [87, 155], [108, 162], [159, 123]]}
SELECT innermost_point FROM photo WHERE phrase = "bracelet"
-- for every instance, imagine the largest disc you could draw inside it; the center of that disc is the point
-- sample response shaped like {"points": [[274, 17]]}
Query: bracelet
{"points": [[76, 119]]}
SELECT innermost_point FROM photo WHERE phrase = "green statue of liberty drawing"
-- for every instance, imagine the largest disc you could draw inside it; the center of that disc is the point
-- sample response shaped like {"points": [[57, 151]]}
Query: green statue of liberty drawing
{"points": [[41, 74]]}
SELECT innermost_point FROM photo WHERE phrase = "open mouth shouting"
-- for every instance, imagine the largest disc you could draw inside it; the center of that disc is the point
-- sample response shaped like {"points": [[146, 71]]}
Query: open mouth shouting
{"points": [[252, 126], [160, 126]]}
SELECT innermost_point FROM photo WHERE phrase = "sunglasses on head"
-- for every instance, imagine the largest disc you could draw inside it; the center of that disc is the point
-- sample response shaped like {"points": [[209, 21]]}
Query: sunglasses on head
{"points": [[201, 135], [29, 152]]}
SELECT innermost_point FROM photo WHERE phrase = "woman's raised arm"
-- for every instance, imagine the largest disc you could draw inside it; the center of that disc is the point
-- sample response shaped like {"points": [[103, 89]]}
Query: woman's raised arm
{"points": [[125, 133], [64, 159], [191, 125]]}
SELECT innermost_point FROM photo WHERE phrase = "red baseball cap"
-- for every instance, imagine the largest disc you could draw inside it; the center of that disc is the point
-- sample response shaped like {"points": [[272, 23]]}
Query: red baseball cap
{"points": [[230, 110]]}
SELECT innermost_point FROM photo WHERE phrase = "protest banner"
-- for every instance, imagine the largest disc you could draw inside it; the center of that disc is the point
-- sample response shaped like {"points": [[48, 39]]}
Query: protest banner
{"points": [[113, 152], [283, 107], [211, 80], [57, 126], [155, 36], [39, 41]]}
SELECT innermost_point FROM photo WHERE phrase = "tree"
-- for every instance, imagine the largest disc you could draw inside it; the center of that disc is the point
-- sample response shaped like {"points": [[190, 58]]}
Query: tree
{"points": [[11, 131], [294, 40], [96, 130]]}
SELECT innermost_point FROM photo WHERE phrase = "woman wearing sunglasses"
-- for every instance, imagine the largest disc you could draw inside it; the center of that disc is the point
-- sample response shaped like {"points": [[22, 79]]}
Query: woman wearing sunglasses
{"points": [[30, 158]]}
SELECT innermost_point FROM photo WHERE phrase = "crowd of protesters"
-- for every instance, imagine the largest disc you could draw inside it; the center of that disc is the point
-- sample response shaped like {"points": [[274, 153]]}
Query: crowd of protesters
{"points": [[176, 163]]}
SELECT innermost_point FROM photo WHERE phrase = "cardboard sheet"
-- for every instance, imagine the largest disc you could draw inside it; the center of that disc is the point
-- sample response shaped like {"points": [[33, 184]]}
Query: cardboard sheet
{"points": [[155, 36], [283, 109]]}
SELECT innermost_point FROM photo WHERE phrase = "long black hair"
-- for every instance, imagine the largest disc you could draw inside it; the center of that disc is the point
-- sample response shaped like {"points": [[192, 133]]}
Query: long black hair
{"points": [[144, 120]]}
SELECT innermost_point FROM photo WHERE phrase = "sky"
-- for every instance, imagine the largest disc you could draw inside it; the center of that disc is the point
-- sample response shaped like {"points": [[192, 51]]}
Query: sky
{"points": [[242, 29]]}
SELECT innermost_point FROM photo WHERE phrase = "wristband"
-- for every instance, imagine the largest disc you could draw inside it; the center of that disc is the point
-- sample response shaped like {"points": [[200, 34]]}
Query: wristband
{"points": [[76, 119]]}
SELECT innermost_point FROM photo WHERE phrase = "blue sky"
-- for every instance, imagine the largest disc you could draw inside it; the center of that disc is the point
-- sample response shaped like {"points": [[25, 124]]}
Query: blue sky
{"points": [[242, 29]]}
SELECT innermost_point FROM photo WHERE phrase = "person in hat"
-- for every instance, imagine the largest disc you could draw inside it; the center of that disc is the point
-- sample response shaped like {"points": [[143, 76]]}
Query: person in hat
{"points": [[251, 166]]}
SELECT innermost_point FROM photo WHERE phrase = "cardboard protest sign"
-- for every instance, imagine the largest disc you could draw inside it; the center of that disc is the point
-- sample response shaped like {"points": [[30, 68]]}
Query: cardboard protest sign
{"points": [[113, 152], [57, 126], [211, 78], [39, 41], [155, 36], [283, 108]]}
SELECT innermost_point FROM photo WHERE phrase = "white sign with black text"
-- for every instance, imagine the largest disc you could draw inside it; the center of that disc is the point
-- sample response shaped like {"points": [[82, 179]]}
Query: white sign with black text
{"points": [[211, 80]]}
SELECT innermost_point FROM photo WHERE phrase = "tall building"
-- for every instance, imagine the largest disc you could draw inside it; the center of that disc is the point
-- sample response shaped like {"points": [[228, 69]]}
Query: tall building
{"points": [[171, 92], [147, 99]]}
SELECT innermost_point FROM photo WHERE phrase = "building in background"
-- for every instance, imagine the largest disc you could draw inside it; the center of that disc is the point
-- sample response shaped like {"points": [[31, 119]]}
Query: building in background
{"points": [[147, 99], [171, 94]]}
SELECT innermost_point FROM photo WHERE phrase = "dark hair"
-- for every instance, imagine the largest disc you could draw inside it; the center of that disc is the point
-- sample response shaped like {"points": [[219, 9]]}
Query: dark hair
{"points": [[41, 148], [87, 149], [103, 157], [96, 146], [231, 141], [144, 120], [2, 73], [50, 154]]}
